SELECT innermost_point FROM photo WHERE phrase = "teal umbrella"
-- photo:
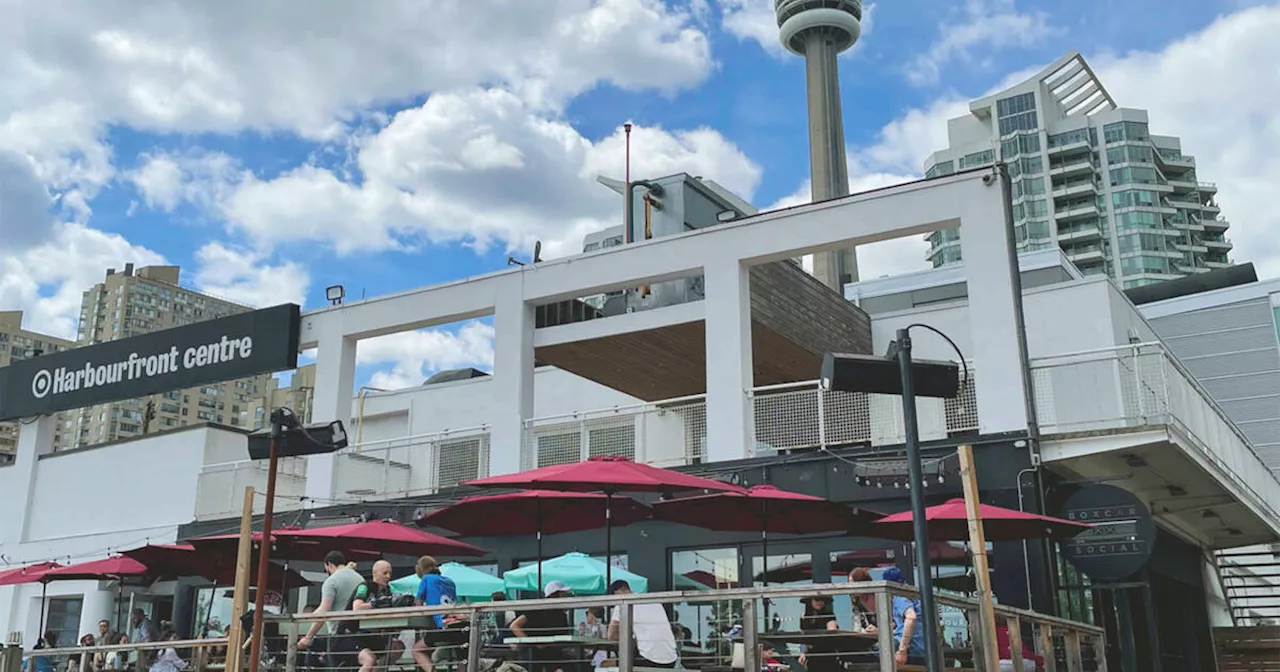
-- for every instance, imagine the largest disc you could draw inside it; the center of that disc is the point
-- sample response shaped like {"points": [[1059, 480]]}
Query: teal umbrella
{"points": [[584, 574], [472, 585]]}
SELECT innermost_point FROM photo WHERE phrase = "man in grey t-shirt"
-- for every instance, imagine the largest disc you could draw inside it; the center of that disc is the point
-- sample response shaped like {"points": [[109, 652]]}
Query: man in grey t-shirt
{"points": [[336, 594]]}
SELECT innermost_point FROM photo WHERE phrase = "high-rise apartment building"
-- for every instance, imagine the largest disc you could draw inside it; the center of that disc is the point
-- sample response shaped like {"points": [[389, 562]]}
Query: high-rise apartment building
{"points": [[130, 303], [296, 396], [17, 344], [1089, 177]]}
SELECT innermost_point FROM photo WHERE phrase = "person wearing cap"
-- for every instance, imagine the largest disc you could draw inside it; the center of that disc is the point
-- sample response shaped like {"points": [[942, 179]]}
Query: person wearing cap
{"points": [[547, 623], [655, 641], [908, 636]]}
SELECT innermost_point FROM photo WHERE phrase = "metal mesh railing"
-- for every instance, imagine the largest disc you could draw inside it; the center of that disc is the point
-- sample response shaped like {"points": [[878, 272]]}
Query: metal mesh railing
{"points": [[1142, 385], [412, 465], [786, 417]]}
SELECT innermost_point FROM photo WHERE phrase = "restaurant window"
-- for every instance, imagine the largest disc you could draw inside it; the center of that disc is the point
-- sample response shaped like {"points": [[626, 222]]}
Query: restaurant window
{"points": [[785, 569], [64, 619], [706, 569]]}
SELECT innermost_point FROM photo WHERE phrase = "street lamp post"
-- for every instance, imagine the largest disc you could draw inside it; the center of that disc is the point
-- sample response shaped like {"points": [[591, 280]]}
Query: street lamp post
{"points": [[897, 373]]}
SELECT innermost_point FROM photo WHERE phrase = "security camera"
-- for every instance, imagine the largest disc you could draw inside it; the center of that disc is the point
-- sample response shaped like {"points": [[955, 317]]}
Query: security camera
{"points": [[989, 179]]}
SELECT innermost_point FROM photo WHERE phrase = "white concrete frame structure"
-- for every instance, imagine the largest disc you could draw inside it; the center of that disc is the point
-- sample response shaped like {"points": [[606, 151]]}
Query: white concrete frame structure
{"points": [[723, 254]]}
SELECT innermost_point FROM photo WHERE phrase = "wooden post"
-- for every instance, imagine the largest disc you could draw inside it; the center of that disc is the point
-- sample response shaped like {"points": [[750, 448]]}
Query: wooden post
{"points": [[981, 569], [1015, 641], [240, 604]]}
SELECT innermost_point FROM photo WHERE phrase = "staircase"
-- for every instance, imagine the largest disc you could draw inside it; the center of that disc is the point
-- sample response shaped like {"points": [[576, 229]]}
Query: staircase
{"points": [[1250, 579]]}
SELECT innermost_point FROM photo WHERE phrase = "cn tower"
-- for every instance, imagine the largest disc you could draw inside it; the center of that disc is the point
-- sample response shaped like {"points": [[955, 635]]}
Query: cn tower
{"points": [[819, 30]]}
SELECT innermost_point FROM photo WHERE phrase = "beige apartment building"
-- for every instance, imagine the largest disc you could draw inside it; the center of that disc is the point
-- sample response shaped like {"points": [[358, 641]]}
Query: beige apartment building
{"points": [[128, 303], [17, 344]]}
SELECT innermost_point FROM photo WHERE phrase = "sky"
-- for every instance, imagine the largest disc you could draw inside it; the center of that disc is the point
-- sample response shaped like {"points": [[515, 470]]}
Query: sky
{"points": [[272, 149]]}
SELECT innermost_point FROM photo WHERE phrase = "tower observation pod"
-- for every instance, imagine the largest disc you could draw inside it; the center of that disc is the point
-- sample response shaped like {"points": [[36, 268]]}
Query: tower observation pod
{"points": [[819, 30]]}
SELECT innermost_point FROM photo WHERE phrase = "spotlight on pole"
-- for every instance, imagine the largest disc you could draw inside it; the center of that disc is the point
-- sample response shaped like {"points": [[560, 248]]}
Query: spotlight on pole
{"points": [[286, 437], [896, 373]]}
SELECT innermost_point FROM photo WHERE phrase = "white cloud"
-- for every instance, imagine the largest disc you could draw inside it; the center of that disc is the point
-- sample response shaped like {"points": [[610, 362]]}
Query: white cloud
{"points": [[47, 281], [478, 166], [976, 34], [178, 66], [756, 20], [415, 355], [247, 277], [166, 179]]}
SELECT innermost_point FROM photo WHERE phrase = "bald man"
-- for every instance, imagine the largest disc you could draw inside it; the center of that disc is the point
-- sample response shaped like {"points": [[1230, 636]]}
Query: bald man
{"points": [[377, 649]]}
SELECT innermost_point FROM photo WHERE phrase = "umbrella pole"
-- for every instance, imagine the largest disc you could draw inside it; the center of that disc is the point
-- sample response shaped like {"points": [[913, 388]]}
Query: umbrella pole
{"points": [[608, 539], [44, 589], [539, 514]]}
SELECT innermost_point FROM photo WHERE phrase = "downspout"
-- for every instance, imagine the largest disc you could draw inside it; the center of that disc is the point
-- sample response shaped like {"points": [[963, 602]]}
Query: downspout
{"points": [[1028, 383], [360, 416]]}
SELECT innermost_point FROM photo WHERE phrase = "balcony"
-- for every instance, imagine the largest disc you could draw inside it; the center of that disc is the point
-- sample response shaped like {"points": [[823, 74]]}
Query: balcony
{"points": [[1087, 402], [1223, 245], [1071, 168], [1076, 211], [1210, 187], [1215, 223], [673, 432], [1193, 247], [1079, 234], [1075, 188], [1085, 254], [1070, 148]]}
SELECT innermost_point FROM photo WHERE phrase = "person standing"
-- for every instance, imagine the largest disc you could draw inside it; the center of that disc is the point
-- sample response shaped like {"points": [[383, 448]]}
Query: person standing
{"points": [[337, 593], [655, 642]]}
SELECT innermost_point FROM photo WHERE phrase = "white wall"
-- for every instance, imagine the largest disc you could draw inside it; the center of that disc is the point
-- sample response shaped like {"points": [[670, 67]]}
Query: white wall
{"points": [[1070, 317], [86, 504]]}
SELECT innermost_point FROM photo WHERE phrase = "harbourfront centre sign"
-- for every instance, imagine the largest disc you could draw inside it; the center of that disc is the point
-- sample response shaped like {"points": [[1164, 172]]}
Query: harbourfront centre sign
{"points": [[237, 346]]}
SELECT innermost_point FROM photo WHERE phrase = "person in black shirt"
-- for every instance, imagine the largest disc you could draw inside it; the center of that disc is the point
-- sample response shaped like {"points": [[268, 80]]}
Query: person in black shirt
{"points": [[546, 623], [376, 594], [818, 617]]}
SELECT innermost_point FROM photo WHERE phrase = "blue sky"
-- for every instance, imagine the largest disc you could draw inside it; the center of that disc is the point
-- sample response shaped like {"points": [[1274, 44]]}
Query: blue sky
{"points": [[394, 150]]}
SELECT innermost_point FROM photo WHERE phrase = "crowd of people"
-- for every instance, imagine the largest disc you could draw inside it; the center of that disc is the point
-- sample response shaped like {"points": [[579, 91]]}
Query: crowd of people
{"points": [[657, 636]]}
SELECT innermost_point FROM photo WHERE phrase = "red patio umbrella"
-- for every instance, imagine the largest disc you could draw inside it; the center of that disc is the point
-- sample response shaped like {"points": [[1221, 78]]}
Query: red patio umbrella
{"points": [[378, 537], [174, 560], [949, 521], [114, 567], [28, 574], [609, 475], [31, 574], [534, 512], [224, 547], [763, 509]]}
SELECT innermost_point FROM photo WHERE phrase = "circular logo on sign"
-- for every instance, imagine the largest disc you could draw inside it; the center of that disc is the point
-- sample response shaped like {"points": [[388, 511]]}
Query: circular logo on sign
{"points": [[41, 384], [1121, 539]]}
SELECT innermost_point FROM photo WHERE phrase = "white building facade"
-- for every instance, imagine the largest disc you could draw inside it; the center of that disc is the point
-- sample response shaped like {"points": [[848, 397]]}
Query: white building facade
{"points": [[1107, 396]]}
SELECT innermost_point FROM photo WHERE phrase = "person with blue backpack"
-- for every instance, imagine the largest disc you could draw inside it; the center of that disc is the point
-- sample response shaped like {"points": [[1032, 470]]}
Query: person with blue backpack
{"points": [[434, 589]]}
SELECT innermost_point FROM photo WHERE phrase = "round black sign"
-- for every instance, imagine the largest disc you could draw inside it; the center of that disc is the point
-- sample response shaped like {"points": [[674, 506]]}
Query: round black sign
{"points": [[1122, 537]]}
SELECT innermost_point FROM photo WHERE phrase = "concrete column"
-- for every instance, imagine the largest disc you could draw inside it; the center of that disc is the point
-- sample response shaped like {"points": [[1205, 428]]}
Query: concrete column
{"points": [[335, 385], [97, 605], [730, 374], [34, 439], [994, 350], [513, 323]]}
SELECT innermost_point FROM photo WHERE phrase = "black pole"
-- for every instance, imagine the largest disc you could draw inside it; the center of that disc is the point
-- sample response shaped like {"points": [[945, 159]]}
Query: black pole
{"points": [[929, 619], [764, 555], [538, 504], [44, 588], [608, 539]]}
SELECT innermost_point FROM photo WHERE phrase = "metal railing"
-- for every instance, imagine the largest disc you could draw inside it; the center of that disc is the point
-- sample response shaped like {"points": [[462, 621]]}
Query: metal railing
{"points": [[220, 486], [199, 655], [412, 465], [791, 416], [719, 628], [1140, 386]]}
